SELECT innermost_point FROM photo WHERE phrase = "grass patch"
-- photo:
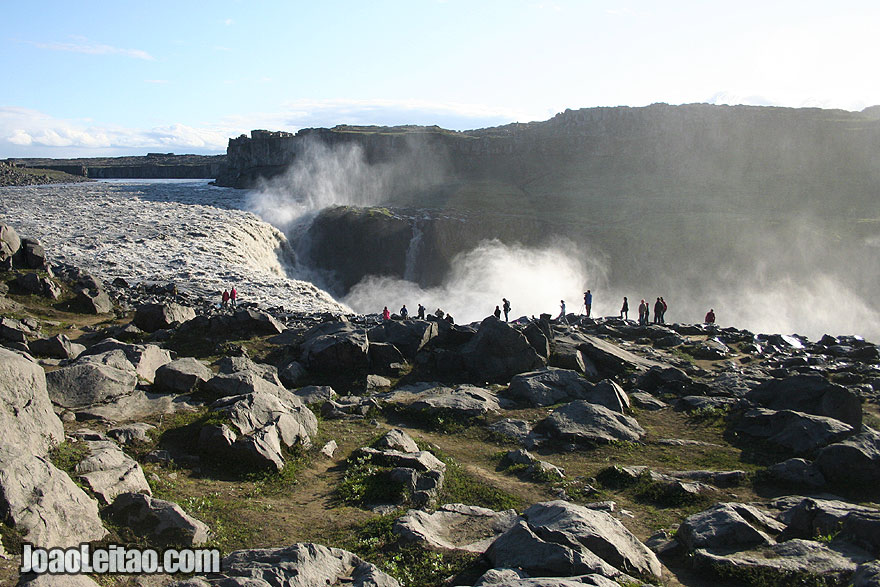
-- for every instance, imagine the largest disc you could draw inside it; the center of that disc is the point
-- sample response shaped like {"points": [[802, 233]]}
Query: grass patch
{"points": [[365, 484], [68, 454], [461, 487], [411, 565]]}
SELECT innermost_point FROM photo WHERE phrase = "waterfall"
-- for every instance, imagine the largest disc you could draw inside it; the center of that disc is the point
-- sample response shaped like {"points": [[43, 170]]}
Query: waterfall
{"points": [[412, 251]]}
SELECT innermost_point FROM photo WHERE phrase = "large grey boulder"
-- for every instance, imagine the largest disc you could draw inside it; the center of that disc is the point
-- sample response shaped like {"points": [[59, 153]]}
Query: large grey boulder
{"points": [[250, 323], [107, 472], [183, 375], [610, 358], [90, 301], [464, 401], [809, 517], [153, 317], [855, 460], [336, 347], [37, 285], [520, 547], [795, 431], [44, 504], [26, 417], [408, 336], [397, 439], [727, 525], [563, 522], [146, 358], [252, 411], [87, 383], [812, 394], [454, 527], [797, 472], [298, 565], [34, 253], [498, 352], [811, 562], [313, 394], [10, 243], [229, 365], [163, 521], [56, 347], [239, 383], [583, 422], [548, 386]]}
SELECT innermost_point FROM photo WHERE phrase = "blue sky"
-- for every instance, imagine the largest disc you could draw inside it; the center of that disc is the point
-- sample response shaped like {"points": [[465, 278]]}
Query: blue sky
{"points": [[98, 78]]}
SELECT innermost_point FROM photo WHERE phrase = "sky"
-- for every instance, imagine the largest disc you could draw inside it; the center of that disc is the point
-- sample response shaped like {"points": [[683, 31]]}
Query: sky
{"points": [[108, 78]]}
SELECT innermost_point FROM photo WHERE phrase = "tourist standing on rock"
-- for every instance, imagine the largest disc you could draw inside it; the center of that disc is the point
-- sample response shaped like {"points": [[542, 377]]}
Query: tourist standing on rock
{"points": [[588, 302], [658, 311], [233, 295], [643, 313], [404, 313], [497, 312], [421, 312], [561, 316], [450, 319], [506, 308], [624, 309], [225, 298], [663, 313], [710, 316], [386, 315]]}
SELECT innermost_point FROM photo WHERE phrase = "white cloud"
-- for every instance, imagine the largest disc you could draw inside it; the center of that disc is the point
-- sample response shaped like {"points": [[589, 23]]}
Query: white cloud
{"points": [[29, 133], [156, 81], [88, 47], [229, 22]]}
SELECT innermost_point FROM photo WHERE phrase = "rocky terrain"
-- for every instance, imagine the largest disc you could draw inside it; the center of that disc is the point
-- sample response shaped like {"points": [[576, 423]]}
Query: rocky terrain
{"points": [[318, 449], [16, 175]]}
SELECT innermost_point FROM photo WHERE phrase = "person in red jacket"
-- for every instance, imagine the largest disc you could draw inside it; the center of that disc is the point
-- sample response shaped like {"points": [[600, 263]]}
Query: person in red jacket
{"points": [[386, 315], [233, 295], [710, 316], [225, 298]]}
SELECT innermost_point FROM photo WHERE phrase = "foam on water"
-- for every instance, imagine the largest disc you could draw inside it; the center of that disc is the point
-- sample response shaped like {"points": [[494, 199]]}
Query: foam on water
{"points": [[185, 232]]}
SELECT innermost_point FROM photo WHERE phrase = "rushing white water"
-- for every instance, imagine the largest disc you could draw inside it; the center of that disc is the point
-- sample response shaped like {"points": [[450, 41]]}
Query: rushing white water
{"points": [[186, 232]]}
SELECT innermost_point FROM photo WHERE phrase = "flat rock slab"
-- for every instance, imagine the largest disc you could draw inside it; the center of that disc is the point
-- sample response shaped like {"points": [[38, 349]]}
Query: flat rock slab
{"points": [[794, 561], [164, 521], [136, 406], [583, 422], [85, 384], [302, 564], [454, 527], [108, 471]]}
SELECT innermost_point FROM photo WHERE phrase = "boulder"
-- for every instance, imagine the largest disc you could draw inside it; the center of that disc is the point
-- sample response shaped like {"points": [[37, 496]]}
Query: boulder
{"points": [[855, 460], [184, 375], [239, 383], [44, 504], [583, 422], [794, 431], [146, 358], [464, 401], [397, 439], [34, 253], [867, 575], [29, 424], [811, 394], [547, 386], [313, 394], [107, 472], [56, 347], [87, 383], [153, 317], [563, 522], [646, 401], [253, 411], [163, 521], [131, 433], [454, 527], [37, 285], [498, 352], [301, 564], [10, 243], [610, 358], [250, 323], [520, 547], [407, 336], [710, 349], [807, 517], [726, 525], [517, 430], [291, 373], [336, 347], [91, 302], [807, 561], [798, 472], [12, 330]]}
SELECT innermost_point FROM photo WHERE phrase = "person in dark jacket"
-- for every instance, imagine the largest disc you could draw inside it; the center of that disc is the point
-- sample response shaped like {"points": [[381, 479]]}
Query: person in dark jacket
{"points": [[624, 310]]}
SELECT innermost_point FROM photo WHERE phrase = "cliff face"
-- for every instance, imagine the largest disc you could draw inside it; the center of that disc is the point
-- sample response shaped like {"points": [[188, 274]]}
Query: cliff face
{"points": [[151, 166]]}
